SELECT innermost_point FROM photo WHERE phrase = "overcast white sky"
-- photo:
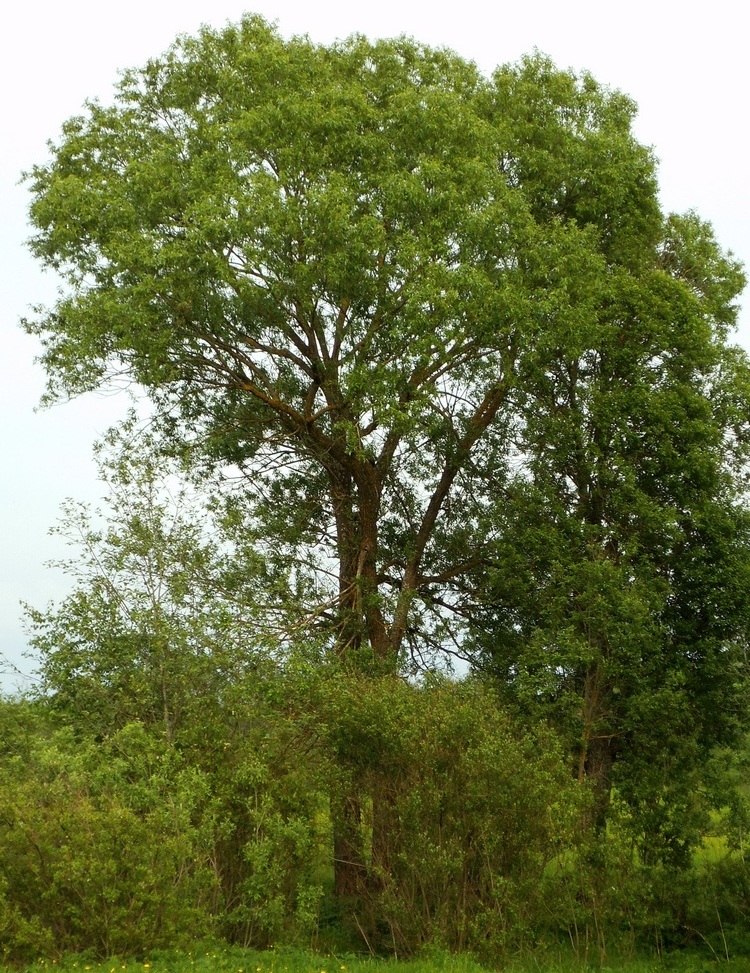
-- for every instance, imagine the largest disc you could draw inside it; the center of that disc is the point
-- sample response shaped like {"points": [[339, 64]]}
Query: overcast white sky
{"points": [[686, 64]]}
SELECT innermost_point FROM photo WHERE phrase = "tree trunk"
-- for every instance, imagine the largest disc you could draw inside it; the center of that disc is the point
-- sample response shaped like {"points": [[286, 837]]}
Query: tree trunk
{"points": [[355, 494], [598, 745], [598, 763]]}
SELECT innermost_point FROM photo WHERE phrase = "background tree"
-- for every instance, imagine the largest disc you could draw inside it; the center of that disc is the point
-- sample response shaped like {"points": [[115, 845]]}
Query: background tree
{"points": [[170, 610], [617, 601]]}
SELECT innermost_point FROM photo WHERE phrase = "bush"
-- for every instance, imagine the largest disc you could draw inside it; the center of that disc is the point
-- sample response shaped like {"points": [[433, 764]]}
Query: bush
{"points": [[105, 847], [461, 811], [272, 831]]}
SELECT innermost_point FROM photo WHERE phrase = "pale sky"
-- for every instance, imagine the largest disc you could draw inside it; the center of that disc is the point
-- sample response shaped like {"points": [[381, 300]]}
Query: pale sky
{"points": [[686, 65]]}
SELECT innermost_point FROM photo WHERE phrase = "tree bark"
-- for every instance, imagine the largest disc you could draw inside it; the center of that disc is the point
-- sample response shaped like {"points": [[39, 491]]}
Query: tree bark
{"points": [[598, 745], [355, 493], [598, 764]]}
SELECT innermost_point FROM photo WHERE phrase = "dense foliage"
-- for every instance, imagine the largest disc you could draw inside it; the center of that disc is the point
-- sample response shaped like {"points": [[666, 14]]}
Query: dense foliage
{"points": [[148, 800], [455, 387]]}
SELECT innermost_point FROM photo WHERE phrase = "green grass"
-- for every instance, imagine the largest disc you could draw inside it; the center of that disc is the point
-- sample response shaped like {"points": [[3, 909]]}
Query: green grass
{"points": [[235, 960]]}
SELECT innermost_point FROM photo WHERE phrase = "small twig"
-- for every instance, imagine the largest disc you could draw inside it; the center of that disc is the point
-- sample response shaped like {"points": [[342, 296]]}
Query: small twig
{"points": [[367, 941], [723, 937], [716, 955]]}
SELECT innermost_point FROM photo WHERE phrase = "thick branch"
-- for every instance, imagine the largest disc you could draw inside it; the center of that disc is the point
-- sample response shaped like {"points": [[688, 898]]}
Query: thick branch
{"points": [[479, 423]]}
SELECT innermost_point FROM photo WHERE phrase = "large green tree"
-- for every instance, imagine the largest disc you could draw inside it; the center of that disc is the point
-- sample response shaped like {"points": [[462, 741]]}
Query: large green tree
{"points": [[326, 265], [616, 600], [344, 272]]}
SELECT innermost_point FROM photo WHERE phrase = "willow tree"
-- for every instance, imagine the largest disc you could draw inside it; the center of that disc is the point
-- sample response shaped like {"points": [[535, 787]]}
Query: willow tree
{"points": [[615, 600], [335, 269]]}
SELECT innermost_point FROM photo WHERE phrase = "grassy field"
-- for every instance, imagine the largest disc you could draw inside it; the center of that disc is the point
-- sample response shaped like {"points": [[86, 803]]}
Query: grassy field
{"points": [[229, 960], [233, 960]]}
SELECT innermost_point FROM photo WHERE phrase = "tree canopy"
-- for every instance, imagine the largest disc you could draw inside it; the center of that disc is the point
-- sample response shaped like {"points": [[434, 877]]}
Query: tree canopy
{"points": [[335, 267]]}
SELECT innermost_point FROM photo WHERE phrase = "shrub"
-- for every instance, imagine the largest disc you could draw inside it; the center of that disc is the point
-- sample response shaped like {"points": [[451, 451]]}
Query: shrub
{"points": [[104, 847], [462, 809]]}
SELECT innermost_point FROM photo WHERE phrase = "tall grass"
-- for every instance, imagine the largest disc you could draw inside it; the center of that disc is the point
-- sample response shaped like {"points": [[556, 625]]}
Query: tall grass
{"points": [[236, 960]]}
